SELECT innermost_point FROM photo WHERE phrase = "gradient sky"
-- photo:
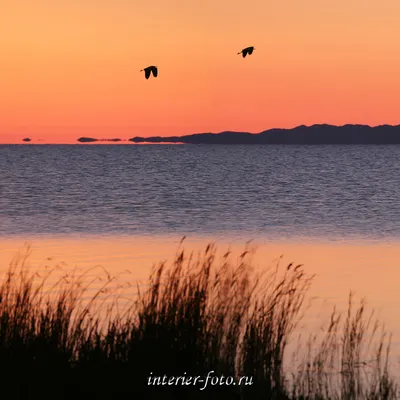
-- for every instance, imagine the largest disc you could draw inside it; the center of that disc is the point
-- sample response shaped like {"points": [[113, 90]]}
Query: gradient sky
{"points": [[71, 67]]}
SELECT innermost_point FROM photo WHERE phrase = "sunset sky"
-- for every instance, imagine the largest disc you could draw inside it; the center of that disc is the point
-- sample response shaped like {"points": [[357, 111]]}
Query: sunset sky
{"points": [[71, 67]]}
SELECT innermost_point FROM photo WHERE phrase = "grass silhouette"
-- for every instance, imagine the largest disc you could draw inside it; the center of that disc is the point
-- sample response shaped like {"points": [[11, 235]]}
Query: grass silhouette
{"points": [[194, 316]]}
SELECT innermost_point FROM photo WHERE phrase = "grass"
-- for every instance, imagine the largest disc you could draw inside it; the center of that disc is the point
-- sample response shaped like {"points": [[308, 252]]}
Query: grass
{"points": [[197, 315]]}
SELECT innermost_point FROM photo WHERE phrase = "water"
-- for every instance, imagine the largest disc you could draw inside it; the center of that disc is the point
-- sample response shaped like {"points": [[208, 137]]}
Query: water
{"points": [[335, 209], [319, 192]]}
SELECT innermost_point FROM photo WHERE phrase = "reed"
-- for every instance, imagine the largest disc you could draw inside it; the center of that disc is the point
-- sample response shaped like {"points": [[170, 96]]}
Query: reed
{"points": [[198, 314]]}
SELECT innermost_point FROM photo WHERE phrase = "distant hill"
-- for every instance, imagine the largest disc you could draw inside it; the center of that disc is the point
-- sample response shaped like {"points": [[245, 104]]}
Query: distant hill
{"points": [[87, 140], [315, 134], [90, 140]]}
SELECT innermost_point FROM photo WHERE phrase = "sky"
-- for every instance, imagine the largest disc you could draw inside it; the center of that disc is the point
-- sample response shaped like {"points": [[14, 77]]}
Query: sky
{"points": [[70, 68]]}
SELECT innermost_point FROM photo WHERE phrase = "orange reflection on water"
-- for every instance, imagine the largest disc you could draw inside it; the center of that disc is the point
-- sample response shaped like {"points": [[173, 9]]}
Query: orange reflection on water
{"points": [[371, 270]]}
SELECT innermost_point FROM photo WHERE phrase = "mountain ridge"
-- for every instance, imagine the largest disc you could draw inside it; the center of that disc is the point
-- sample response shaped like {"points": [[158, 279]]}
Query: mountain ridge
{"points": [[302, 134]]}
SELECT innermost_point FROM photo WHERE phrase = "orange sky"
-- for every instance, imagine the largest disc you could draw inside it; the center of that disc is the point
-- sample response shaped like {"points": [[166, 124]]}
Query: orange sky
{"points": [[71, 68]]}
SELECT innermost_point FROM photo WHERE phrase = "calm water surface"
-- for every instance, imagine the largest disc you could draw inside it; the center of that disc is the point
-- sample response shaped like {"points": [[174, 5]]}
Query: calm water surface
{"points": [[336, 209], [333, 192]]}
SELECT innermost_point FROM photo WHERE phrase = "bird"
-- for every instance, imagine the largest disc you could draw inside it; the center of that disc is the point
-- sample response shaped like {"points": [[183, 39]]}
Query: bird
{"points": [[151, 69], [247, 50]]}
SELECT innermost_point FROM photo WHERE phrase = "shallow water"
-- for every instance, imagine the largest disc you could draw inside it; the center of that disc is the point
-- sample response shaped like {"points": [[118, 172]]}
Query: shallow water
{"points": [[370, 270], [318, 192], [335, 209]]}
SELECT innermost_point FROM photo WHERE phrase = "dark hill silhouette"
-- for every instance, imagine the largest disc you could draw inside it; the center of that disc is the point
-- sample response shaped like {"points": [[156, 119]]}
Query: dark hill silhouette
{"points": [[315, 134], [87, 140], [90, 140]]}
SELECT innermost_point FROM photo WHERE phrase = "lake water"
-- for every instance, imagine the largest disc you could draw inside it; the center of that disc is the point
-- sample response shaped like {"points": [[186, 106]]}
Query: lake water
{"points": [[318, 192], [335, 209]]}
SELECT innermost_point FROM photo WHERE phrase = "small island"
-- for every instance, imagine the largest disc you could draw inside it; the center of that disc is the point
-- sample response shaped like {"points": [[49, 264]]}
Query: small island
{"points": [[90, 140]]}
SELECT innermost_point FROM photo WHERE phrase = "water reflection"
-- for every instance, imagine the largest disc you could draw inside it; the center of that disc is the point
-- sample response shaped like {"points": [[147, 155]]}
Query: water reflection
{"points": [[368, 269]]}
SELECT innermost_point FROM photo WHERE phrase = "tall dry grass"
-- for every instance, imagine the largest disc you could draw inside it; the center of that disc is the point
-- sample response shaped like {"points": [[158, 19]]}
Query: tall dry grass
{"points": [[197, 315]]}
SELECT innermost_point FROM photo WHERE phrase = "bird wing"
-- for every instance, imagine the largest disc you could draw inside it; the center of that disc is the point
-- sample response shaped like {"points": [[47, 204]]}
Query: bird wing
{"points": [[155, 71], [244, 53], [147, 73], [250, 50]]}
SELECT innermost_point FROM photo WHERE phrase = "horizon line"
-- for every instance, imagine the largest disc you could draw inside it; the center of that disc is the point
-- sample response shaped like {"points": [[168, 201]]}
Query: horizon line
{"points": [[115, 140]]}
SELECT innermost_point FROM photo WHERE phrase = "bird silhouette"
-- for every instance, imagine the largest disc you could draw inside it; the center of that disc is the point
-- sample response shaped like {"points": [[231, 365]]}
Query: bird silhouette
{"points": [[151, 69], [247, 50]]}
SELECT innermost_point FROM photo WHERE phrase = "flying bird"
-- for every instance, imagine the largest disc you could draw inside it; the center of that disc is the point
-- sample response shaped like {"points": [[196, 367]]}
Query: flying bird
{"points": [[149, 70], [247, 50]]}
